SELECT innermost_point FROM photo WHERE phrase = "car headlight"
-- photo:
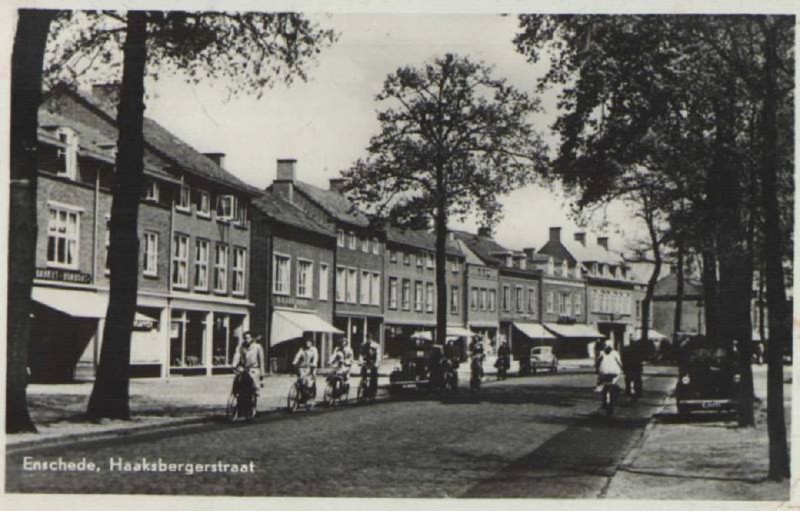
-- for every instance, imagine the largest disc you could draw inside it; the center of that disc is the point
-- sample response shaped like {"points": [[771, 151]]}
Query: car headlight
{"points": [[685, 380], [737, 378]]}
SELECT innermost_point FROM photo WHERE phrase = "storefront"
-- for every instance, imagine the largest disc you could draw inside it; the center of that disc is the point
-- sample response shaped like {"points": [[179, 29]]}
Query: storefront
{"points": [[573, 340], [288, 332]]}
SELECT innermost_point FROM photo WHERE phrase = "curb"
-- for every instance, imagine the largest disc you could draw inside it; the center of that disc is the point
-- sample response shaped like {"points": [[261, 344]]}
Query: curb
{"points": [[627, 462]]}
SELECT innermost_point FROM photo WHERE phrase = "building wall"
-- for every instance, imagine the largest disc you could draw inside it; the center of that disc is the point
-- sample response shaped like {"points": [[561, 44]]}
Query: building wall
{"points": [[480, 278], [576, 290], [692, 319], [361, 261], [527, 310], [411, 272]]}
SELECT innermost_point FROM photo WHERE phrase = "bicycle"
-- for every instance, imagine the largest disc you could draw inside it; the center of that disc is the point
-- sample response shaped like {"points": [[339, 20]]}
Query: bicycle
{"points": [[475, 375], [337, 390], [301, 394], [243, 398], [450, 375], [368, 387], [610, 393]]}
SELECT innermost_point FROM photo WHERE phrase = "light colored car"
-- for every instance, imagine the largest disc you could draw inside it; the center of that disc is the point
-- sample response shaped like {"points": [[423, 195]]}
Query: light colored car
{"points": [[542, 357]]}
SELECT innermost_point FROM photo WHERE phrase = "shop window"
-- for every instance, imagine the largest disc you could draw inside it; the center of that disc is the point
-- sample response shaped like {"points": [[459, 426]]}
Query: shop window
{"points": [[187, 338]]}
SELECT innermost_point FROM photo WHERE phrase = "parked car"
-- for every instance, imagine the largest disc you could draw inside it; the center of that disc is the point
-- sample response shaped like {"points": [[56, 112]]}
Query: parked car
{"points": [[414, 367], [708, 378], [542, 357]]}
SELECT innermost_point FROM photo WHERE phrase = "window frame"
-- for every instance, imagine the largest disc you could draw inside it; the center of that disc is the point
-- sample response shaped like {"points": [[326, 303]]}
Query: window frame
{"points": [[324, 276], [203, 207], [221, 267], [184, 192], [375, 289], [180, 265], [198, 263], [429, 297], [393, 303], [147, 272], [238, 273], [285, 283], [304, 278], [454, 300]]}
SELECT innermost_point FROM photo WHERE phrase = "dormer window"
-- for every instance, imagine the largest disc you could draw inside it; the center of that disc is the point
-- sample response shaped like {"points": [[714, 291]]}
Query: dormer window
{"points": [[551, 266], [69, 152], [565, 268], [225, 207], [509, 261], [152, 191], [578, 271]]}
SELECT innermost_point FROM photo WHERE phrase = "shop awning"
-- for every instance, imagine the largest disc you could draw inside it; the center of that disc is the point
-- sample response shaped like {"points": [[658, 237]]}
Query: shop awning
{"points": [[653, 335], [288, 325], [458, 331], [422, 334], [576, 331], [79, 304], [534, 331]]}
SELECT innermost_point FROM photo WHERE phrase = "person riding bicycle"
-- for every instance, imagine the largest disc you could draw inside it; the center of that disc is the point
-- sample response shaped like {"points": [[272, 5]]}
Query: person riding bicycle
{"points": [[503, 357], [306, 364], [609, 365], [477, 354], [342, 361], [369, 362], [249, 357]]}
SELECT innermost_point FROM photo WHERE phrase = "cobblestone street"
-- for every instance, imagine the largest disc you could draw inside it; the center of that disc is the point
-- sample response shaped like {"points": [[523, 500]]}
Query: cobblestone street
{"points": [[534, 437]]}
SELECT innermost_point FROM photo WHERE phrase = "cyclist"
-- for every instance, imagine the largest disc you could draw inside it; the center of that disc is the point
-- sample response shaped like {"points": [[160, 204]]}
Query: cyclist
{"points": [[305, 361], [503, 359], [477, 354], [342, 361], [609, 365], [369, 362], [250, 357]]}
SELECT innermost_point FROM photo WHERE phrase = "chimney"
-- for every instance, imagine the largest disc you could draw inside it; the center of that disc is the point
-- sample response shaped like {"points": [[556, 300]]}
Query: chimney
{"points": [[580, 237], [336, 184], [107, 93], [529, 253], [603, 241], [555, 234], [485, 232], [284, 182], [218, 158]]}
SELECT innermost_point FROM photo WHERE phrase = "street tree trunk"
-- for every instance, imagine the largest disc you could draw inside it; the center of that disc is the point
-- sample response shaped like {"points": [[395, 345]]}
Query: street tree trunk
{"points": [[110, 393], [655, 243], [26, 92], [441, 258], [677, 325], [779, 320]]}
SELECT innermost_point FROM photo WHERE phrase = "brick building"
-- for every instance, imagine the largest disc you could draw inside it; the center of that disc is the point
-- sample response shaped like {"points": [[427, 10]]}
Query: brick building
{"points": [[194, 232], [410, 284], [359, 255], [292, 279]]}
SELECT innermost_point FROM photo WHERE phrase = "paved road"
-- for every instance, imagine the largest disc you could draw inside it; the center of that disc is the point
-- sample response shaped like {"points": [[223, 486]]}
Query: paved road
{"points": [[525, 437]]}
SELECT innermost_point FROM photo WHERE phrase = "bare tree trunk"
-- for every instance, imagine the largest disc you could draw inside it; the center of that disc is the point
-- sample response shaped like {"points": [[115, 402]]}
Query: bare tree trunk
{"points": [[655, 243], [441, 259], [26, 93], [710, 295], [110, 393], [677, 325], [779, 320]]}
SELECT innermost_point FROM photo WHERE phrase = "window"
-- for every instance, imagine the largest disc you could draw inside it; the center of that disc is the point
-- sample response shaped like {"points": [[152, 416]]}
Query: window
{"points": [[473, 300], [550, 302], [483, 304], [341, 284], [152, 191], [225, 207], [221, 269], [519, 298], [69, 153], [281, 270], [429, 259], [454, 299], [392, 256], [595, 304], [418, 296], [184, 199], [577, 305], [203, 204], [406, 294], [406, 258], [551, 266], [201, 264], [150, 254], [376, 248], [351, 241], [429, 296], [506, 298], [565, 304], [340, 238], [365, 282], [365, 245], [239, 262], [323, 281], [305, 278], [392, 292], [108, 243], [532, 300], [578, 271], [241, 213], [420, 259], [180, 261], [352, 285], [638, 309], [375, 290], [492, 300], [565, 268]]}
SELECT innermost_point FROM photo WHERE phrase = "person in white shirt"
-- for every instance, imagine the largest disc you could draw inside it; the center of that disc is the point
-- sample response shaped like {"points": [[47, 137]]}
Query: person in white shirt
{"points": [[609, 365], [249, 357], [342, 360], [306, 362]]}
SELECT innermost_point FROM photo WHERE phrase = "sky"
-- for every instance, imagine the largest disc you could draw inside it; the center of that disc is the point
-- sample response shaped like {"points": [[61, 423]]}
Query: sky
{"points": [[326, 122]]}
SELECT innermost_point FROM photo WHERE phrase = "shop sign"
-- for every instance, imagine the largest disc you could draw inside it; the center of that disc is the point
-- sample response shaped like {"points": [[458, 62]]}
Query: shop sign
{"points": [[61, 275]]}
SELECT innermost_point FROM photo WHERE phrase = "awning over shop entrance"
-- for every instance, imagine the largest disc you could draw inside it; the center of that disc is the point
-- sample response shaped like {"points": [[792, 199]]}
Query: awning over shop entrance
{"points": [[534, 331], [79, 304], [458, 331], [577, 331], [653, 335], [288, 325]]}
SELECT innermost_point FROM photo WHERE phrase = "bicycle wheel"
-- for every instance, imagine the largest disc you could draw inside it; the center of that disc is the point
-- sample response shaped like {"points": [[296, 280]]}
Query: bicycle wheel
{"points": [[345, 395], [293, 400], [231, 410], [253, 409], [361, 395], [327, 396]]}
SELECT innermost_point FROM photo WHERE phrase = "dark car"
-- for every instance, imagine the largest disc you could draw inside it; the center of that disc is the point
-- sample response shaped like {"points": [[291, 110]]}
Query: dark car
{"points": [[708, 378], [414, 367]]}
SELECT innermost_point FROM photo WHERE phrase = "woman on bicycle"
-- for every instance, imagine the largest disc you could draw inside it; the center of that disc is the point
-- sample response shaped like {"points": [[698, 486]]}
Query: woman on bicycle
{"points": [[342, 360], [250, 357], [306, 362]]}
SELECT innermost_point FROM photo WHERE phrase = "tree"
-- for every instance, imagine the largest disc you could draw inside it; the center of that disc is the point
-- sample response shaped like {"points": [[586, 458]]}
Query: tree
{"points": [[452, 139], [249, 50], [26, 91]]}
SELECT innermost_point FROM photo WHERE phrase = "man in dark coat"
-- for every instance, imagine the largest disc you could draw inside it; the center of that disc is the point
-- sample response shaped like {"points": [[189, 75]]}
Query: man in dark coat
{"points": [[632, 361]]}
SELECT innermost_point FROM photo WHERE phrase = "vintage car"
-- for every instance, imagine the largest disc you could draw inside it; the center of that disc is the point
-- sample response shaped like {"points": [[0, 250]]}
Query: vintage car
{"points": [[708, 377], [542, 357], [414, 366]]}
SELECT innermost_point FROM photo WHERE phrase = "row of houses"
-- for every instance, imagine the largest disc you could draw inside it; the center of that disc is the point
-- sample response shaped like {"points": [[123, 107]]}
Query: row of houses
{"points": [[219, 257]]}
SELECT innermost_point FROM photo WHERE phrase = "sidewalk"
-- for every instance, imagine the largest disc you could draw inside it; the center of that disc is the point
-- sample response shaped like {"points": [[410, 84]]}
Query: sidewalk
{"points": [[702, 458], [58, 409]]}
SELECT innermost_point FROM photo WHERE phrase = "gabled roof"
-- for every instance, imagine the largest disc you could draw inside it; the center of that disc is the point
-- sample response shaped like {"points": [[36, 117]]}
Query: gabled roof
{"points": [[482, 246], [419, 239], [333, 203], [469, 255], [668, 287], [275, 207], [161, 143]]}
